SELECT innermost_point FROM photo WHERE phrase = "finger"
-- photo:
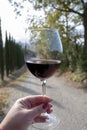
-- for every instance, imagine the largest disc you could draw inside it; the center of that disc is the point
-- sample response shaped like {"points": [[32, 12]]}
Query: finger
{"points": [[49, 111], [36, 111], [36, 100], [40, 119]]}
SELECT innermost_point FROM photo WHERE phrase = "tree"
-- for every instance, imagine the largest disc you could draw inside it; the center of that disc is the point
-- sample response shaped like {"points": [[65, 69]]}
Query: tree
{"points": [[20, 56], [66, 15], [66, 24], [1, 55], [77, 9], [59, 8], [14, 58], [7, 54]]}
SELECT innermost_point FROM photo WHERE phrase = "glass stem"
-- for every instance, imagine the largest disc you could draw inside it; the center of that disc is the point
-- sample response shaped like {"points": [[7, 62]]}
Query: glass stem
{"points": [[43, 82]]}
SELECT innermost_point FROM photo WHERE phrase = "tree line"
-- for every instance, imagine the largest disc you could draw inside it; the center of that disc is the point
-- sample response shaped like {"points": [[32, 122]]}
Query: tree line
{"points": [[66, 16], [11, 55]]}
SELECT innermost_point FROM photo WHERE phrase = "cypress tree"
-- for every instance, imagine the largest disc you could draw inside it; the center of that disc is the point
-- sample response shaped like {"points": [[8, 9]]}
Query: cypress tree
{"points": [[10, 53], [19, 55], [1, 55], [7, 54]]}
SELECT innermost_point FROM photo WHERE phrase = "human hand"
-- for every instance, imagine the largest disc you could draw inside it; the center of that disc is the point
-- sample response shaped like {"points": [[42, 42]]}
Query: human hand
{"points": [[26, 111]]}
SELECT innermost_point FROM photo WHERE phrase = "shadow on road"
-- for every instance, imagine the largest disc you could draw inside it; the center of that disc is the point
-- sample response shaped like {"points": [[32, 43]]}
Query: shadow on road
{"points": [[30, 91], [24, 89]]}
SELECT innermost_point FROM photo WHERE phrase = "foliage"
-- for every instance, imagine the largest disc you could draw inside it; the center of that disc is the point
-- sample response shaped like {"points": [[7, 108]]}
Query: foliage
{"points": [[83, 60], [11, 55], [3, 101], [7, 54], [66, 16], [79, 76], [1, 55]]}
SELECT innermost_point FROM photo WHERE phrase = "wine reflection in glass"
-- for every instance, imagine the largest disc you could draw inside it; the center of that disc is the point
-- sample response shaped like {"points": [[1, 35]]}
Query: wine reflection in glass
{"points": [[43, 57]]}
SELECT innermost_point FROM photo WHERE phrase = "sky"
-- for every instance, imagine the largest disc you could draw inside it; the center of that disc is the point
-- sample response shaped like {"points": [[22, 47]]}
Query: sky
{"points": [[9, 22], [14, 26]]}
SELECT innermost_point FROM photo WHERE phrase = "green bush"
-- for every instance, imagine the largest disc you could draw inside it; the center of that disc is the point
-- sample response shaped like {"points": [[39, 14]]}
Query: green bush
{"points": [[83, 61]]}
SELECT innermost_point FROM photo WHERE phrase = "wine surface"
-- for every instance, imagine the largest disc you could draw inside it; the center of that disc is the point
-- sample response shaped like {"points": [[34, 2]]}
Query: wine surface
{"points": [[43, 69]]}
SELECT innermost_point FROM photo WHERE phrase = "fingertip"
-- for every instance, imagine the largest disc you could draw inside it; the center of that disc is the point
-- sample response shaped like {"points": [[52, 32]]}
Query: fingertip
{"points": [[50, 99], [47, 99], [49, 111]]}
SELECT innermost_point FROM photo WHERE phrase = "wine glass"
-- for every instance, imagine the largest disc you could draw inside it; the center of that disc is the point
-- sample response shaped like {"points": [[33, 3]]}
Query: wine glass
{"points": [[43, 51]]}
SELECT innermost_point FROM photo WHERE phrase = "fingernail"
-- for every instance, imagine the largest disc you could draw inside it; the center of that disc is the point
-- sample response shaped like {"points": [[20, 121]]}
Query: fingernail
{"points": [[45, 106]]}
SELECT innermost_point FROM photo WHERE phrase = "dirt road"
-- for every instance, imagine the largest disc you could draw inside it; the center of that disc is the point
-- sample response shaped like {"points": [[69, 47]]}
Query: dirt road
{"points": [[70, 103]]}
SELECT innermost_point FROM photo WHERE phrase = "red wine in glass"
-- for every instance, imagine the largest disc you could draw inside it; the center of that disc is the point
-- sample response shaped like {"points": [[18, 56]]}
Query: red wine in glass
{"points": [[43, 69]]}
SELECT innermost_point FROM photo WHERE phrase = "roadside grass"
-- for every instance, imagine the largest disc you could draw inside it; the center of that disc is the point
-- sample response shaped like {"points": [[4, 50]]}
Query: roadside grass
{"points": [[22, 77], [79, 77], [4, 93], [5, 89]]}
